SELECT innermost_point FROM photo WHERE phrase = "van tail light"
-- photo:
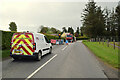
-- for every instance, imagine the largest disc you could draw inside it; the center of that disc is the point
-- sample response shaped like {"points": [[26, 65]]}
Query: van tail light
{"points": [[34, 46]]}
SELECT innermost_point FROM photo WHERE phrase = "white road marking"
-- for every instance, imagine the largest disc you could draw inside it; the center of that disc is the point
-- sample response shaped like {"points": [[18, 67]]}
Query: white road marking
{"points": [[64, 48], [40, 67]]}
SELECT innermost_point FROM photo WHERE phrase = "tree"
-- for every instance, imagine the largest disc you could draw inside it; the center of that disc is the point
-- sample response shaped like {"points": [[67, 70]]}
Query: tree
{"points": [[78, 30], [70, 30], [13, 26], [64, 29], [113, 24], [89, 18], [58, 31], [107, 21], [118, 20], [100, 22], [82, 29], [53, 30], [93, 20], [44, 29]]}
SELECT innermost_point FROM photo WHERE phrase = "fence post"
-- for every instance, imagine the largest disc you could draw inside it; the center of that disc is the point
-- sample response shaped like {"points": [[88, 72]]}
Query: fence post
{"points": [[108, 42], [114, 43], [99, 40], [111, 39], [103, 41]]}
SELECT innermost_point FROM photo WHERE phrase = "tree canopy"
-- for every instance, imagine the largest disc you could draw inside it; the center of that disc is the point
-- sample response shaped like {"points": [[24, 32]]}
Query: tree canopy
{"points": [[93, 20], [13, 26], [64, 29], [48, 30], [98, 22], [70, 30]]}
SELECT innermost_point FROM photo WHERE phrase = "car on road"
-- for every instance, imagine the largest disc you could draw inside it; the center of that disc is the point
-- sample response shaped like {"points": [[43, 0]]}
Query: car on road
{"points": [[28, 44]]}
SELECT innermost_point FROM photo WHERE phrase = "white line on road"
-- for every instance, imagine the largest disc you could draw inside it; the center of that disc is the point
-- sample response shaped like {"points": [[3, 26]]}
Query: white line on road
{"points": [[64, 47], [40, 67]]}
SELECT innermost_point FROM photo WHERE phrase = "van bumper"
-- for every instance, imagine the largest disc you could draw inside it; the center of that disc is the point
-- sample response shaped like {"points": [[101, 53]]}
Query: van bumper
{"points": [[24, 56]]}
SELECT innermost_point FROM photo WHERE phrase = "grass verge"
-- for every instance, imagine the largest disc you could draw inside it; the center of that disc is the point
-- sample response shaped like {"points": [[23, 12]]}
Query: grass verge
{"points": [[5, 53], [107, 54]]}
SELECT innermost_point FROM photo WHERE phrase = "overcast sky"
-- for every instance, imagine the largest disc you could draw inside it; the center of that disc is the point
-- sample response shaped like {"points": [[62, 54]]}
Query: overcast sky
{"points": [[29, 15]]}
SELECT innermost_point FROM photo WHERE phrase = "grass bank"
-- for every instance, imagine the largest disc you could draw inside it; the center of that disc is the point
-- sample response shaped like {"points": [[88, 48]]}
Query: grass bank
{"points": [[107, 54], [5, 53]]}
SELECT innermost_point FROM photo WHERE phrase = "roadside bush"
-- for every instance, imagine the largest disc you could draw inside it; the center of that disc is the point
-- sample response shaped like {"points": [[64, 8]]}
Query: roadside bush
{"points": [[82, 38], [6, 39]]}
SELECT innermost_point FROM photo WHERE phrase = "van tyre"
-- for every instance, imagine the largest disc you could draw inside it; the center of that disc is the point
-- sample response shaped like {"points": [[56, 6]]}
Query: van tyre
{"points": [[50, 50], [38, 56]]}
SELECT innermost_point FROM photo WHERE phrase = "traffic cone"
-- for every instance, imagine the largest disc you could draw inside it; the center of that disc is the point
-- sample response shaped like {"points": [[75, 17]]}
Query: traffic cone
{"points": [[71, 41]]}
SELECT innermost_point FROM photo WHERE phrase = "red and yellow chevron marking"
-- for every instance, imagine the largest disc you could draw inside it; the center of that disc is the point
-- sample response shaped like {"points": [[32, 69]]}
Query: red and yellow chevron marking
{"points": [[26, 41]]}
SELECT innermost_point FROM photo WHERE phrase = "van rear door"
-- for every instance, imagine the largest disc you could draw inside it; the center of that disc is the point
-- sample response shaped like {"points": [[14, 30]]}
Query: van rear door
{"points": [[22, 44]]}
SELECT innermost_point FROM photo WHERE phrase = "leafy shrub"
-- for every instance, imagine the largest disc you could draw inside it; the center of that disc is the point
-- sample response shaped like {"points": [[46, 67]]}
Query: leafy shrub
{"points": [[82, 38], [6, 39]]}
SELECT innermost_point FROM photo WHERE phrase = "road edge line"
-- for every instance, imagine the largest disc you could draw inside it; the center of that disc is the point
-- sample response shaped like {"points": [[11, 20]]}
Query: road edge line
{"points": [[40, 67]]}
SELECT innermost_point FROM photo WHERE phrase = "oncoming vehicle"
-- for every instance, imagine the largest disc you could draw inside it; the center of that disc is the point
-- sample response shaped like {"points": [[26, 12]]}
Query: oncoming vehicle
{"points": [[69, 37], [29, 45]]}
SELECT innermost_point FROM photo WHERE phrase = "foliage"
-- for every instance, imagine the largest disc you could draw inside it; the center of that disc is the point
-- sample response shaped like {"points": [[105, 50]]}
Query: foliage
{"points": [[44, 30], [77, 32], [93, 20], [113, 24], [6, 39], [49, 30], [78, 38], [13, 26], [64, 29], [107, 21], [70, 30], [118, 20], [98, 22], [110, 23], [82, 38]]}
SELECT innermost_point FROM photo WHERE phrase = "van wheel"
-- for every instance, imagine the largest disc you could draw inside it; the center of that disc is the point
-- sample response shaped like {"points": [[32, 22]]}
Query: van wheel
{"points": [[50, 50], [38, 57]]}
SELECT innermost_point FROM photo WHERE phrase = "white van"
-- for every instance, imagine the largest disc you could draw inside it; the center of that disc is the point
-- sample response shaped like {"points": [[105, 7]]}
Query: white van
{"points": [[29, 45]]}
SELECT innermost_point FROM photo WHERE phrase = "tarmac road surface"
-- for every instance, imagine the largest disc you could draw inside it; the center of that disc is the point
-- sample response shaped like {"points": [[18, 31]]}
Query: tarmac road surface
{"points": [[66, 61]]}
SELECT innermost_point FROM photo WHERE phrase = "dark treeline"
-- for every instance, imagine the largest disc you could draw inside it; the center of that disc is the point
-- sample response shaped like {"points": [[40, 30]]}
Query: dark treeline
{"points": [[98, 22], [69, 30]]}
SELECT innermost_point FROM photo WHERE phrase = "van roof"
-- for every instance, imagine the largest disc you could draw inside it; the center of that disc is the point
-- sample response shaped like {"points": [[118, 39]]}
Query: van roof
{"points": [[27, 33]]}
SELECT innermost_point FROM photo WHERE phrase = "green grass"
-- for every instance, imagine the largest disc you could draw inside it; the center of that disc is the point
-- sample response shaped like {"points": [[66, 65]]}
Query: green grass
{"points": [[107, 54], [5, 53]]}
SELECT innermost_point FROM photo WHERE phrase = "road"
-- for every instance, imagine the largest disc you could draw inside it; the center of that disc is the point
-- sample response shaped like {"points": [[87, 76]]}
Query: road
{"points": [[66, 61]]}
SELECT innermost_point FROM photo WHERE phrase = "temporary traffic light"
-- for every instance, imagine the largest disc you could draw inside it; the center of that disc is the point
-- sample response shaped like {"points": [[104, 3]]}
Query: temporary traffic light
{"points": [[59, 35]]}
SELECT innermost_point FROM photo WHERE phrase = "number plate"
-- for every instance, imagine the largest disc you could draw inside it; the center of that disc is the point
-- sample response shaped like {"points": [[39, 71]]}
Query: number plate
{"points": [[18, 51]]}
